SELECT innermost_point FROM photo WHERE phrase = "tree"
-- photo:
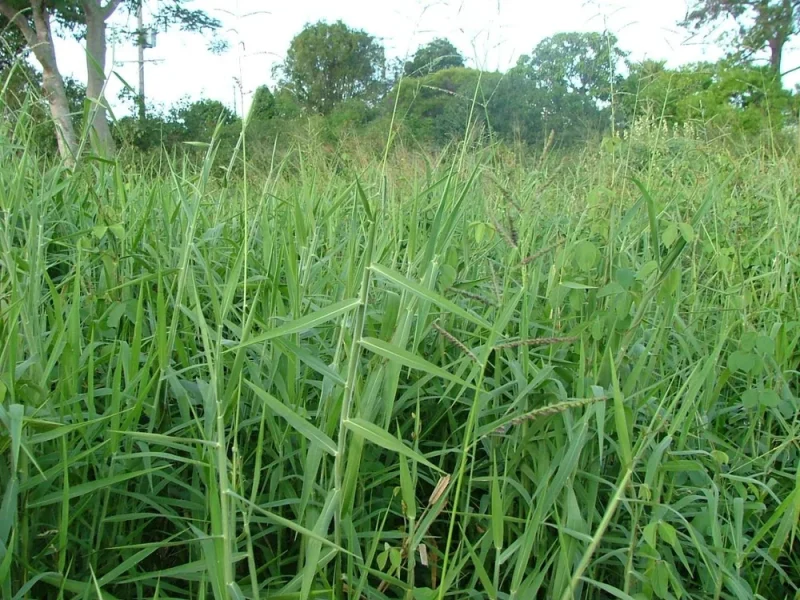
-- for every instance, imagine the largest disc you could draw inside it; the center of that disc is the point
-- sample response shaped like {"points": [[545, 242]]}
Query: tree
{"points": [[517, 109], [87, 19], [438, 107], [263, 106], [434, 56], [576, 75], [199, 119], [761, 24], [329, 63], [742, 98], [32, 18], [287, 106]]}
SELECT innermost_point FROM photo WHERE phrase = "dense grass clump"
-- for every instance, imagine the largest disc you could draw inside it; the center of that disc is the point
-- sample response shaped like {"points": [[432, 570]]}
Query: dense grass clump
{"points": [[470, 375]]}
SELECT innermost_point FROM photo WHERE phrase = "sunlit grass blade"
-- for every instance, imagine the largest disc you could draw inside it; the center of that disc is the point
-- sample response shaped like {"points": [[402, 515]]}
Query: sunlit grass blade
{"points": [[298, 423], [407, 359], [379, 437], [424, 293], [303, 324]]}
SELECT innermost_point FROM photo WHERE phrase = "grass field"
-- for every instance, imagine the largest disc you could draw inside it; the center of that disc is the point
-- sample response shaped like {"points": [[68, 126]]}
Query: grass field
{"points": [[475, 375]]}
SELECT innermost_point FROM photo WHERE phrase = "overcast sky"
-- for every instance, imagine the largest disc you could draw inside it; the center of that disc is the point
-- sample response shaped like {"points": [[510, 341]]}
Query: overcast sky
{"points": [[491, 33]]}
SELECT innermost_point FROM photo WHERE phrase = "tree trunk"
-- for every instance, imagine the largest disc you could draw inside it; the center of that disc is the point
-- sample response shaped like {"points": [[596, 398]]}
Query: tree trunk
{"points": [[96, 49], [783, 24], [776, 45], [39, 38]]}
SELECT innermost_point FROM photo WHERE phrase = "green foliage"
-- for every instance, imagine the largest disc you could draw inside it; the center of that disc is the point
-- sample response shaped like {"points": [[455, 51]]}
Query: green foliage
{"points": [[153, 133], [12, 45], [438, 107], [263, 106], [761, 25], [329, 63], [287, 106], [589, 65], [740, 98], [348, 119], [517, 109], [71, 15], [199, 119], [176, 12], [22, 87], [576, 75], [436, 55]]}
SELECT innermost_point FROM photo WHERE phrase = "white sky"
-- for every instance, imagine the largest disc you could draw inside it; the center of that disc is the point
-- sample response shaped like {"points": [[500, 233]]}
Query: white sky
{"points": [[491, 33]]}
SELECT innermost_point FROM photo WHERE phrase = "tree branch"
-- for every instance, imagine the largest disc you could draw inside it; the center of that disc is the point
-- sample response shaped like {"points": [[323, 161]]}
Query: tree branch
{"points": [[20, 22], [109, 8]]}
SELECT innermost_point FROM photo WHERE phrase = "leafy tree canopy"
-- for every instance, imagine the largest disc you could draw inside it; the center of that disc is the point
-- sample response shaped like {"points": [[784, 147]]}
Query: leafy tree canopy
{"points": [[263, 106], [434, 56], [587, 64], [199, 119], [438, 106], [575, 75], [761, 25], [743, 97], [329, 63]]}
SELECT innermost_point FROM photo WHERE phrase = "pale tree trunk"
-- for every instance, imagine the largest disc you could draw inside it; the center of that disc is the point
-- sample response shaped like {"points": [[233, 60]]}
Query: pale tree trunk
{"points": [[36, 30], [96, 51], [96, 79]]}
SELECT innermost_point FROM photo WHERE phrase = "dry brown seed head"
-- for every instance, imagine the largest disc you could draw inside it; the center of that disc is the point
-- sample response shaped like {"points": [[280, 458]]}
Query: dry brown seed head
{"points": [[440, 488], [423, 554]]}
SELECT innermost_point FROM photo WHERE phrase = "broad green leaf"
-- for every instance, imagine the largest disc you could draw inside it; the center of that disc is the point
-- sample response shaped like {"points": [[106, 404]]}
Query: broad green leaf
{"points": [[667, 532], [670, 235], [646, 270], [750, 399], [765, 345], [424, 593], [447, 276], [625, 277], [650, 533], [480, 232], [610, 289], [687, 232], [586, 255], [769, 398], [742, 361]]}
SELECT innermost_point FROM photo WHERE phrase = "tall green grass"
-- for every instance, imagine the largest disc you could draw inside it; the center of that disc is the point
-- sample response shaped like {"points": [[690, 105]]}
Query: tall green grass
{"points": [[471, 375]]}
